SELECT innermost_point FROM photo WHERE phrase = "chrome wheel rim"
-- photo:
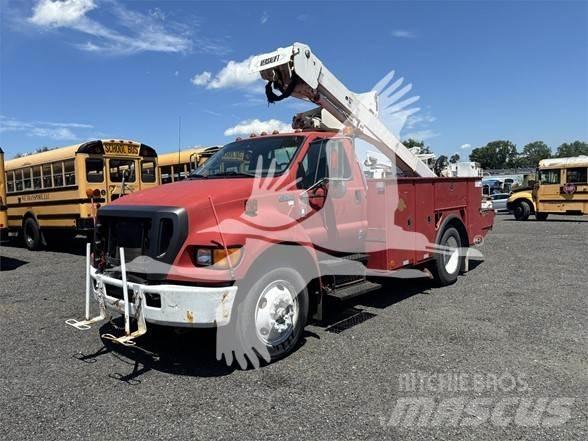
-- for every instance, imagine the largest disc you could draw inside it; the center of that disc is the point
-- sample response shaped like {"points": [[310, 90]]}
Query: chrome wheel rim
{"points": [[276, 312], [451, 255]]}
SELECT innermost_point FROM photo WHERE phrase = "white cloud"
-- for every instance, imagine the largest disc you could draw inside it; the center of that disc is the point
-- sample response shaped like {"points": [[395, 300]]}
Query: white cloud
{"points": [[403, 33], [43, 129], [264, 17], [137, 32], [465, 146], [419, 119], [61, 13], [233, 74], [420, 135], [59, 133], [201, 79], [256, 126]]}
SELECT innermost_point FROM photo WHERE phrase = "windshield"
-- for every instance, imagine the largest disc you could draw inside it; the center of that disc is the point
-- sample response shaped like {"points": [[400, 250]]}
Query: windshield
{"points": [[251, 156]]}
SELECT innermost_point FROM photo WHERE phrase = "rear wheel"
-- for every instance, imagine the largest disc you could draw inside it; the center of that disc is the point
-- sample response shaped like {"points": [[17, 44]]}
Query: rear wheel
{"points": [[32, 234], [448, 261], [541, 216], [522, 210]]}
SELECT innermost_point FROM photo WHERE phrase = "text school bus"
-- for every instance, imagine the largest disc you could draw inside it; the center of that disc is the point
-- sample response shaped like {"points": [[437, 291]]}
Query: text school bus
{"points": [[59, 191], [3, 216], [176, 166]]}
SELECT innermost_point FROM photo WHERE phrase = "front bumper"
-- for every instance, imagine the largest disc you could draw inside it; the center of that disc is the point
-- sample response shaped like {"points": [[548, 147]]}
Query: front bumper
{"points": [[180, 306]]}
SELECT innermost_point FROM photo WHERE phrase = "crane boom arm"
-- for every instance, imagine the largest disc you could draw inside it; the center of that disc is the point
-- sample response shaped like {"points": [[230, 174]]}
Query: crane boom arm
{"points": [[296, 71]]}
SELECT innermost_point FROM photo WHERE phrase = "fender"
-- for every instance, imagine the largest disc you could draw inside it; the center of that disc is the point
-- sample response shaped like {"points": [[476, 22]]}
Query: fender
{"points": [[461, 227]]}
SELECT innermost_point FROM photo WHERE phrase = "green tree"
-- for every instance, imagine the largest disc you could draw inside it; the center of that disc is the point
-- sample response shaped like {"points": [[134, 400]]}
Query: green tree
{"points": [[454, 158], [575, 148], [410, 143], [495, 154], [533, 153]]}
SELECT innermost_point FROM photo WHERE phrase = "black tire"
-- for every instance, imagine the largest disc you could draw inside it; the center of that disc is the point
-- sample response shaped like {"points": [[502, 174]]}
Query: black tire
{"points": [[31, 233], [246, 315], [522, 210], [444, 269], [541, 216]]}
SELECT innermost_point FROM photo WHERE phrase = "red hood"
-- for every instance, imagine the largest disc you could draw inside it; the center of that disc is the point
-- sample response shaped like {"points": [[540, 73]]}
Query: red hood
{"points": [[190, 193]]}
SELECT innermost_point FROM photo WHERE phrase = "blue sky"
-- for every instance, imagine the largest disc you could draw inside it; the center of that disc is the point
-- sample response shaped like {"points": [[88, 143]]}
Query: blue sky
{"points": [[83, 69]]}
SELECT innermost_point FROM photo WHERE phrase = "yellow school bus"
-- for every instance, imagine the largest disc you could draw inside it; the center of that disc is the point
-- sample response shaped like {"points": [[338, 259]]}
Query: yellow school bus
{"points": [[59, 191], [3, 216], [176, 166], [561, 188]]}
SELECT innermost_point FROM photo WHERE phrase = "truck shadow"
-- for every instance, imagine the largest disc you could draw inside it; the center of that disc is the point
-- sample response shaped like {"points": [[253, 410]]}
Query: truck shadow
{"points": [[192, 352]]}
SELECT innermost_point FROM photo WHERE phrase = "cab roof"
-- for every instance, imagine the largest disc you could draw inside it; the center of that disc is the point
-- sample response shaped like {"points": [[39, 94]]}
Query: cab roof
{"points": [[575, 161]]}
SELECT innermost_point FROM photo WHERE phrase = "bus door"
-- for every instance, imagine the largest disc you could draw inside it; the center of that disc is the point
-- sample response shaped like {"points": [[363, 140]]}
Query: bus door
{"points": [[121, 177], [547, 192]]}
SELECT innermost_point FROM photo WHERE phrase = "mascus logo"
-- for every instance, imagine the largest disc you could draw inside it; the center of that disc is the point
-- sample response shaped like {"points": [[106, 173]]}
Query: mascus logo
{"points": [[269, 60]]}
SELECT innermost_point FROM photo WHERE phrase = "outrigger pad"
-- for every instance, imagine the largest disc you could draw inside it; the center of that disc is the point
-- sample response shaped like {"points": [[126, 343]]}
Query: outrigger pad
{"points": [[82, 325]]}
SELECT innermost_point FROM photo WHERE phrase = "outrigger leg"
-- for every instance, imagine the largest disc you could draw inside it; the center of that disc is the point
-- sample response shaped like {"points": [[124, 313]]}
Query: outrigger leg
{"points": [[138, 300], [84, 325]]}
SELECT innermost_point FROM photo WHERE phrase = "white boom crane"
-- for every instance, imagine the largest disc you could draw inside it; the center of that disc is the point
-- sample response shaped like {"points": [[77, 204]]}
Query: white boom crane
{"points": [[296, 71]]}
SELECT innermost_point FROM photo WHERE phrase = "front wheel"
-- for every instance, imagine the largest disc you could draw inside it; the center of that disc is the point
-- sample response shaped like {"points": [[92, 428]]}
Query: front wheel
{"points": [[448, 260], [541, 216], [272, 316], [522, 210]]}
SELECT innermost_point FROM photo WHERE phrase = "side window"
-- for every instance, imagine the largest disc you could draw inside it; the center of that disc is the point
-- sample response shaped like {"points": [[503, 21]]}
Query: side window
{"points": [[37, 177], [166, 176], [577, 175], [9, 182], [26, 173], [58, 174], [70, 173], [94, 170], [148, 170], [18, 180], [549, 176], [313, 166], [47, 181]]}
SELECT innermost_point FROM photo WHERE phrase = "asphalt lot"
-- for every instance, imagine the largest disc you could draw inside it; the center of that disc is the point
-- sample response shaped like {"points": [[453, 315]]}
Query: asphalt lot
{"points": [[522, 312]]}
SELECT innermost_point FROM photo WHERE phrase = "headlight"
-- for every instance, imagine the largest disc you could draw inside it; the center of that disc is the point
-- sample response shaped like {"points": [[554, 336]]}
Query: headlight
{"points": [[217, 257]]}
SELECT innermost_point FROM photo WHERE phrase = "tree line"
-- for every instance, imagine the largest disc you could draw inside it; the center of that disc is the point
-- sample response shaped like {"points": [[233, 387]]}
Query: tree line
{"points": [[504, 154]]}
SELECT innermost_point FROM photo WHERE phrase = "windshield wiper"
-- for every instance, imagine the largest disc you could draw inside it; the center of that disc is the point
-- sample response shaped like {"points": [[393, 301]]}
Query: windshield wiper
{"points": [[233, 173], [197, 176]]}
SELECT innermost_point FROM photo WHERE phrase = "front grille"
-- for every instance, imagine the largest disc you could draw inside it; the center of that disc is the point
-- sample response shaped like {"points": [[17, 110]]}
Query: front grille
{"points": [[156, 233]]}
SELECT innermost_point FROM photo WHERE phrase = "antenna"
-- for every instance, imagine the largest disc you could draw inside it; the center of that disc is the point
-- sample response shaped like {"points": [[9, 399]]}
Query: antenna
{"points": [[179, 138]]}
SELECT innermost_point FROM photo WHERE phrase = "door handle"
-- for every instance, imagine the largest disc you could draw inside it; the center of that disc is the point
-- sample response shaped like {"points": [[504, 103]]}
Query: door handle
{"points": [[358, 196]]}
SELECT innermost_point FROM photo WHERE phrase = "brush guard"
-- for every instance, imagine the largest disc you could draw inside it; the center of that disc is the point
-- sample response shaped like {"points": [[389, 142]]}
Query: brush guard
{"points": [[128, 339]]}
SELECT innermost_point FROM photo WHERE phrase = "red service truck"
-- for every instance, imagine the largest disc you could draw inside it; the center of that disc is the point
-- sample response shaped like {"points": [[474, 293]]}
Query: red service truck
{"points": [[274, 225]]}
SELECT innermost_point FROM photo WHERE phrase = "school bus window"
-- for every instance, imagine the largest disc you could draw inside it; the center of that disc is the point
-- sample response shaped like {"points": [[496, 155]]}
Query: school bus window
{"points": [[177, 172], [26, 172], [58, 174], [9, 182], [549, 176], [94, 170], [148, 170], [18, 180], [37, 177], [166, 176], [577, 175], [69, 172], [47, 180], [120, 167]]}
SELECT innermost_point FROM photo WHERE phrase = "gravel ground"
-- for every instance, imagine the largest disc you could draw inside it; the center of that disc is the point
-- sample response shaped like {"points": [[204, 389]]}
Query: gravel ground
{"points": [[519, 316]]}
